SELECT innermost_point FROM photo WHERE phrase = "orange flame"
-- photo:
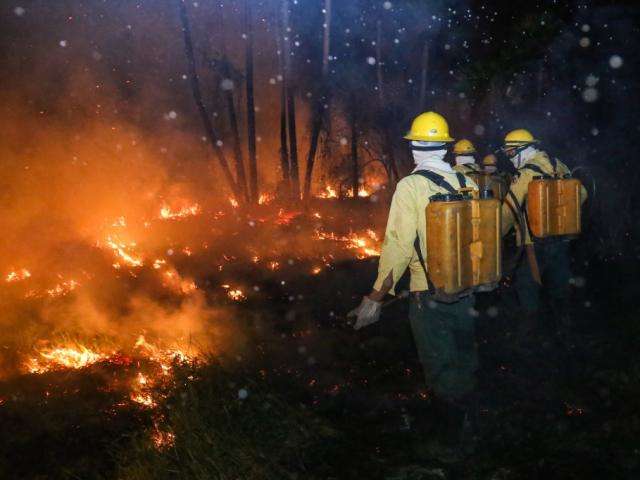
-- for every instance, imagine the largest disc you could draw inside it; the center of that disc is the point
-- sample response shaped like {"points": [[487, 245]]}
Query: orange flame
{"points": [[63, 357], [167, 214], [17, 275]]}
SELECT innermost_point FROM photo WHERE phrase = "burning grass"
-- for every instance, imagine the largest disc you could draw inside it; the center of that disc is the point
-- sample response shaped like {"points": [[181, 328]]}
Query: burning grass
{"points": [[120, 312]]}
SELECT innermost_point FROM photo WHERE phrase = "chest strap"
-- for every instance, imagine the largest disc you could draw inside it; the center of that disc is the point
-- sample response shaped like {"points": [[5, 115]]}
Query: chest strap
{"points": [[534, 168]]}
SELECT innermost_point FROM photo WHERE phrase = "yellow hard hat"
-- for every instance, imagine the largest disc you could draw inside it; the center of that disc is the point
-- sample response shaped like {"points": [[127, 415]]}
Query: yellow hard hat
{"points": [[518, 138], [464, 147], [429, 127], [490, 160]]}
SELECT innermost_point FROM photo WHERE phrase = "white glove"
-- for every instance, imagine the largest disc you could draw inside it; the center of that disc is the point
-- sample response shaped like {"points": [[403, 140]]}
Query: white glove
{"points": [[368, 312]]}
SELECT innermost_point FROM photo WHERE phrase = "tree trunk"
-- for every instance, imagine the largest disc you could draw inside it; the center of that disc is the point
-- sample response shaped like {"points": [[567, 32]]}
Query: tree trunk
{"points": [[251, 113], [197, 97], [235, 131], [284, 150], [322, 97], [354, 147], [394, 175], [424, 70], [291, 104]]}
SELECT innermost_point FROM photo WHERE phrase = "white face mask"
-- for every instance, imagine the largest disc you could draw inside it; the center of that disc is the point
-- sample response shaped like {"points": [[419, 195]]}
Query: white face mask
{"points": [[432, 159], [490, 169], [524, 156], [465, 159]]}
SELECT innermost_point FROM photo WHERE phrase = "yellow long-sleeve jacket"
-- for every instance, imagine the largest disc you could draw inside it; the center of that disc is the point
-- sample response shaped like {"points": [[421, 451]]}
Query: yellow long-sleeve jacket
{"points": [[520, 187], [406, 218]]}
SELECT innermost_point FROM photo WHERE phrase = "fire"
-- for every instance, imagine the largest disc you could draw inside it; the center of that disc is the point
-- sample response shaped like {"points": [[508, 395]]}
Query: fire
{"points": [[62, 289], [328, 192], [120, 250], [119, 223], [163, 356], [367, 246], [17, 275], [145, 399], [63, 357], [234, 203], [362, 192], [173, 281], [158, 263], [265, 199], [273, 265], [236, 295], [167, 214], [142, 379], [285, 218], [162, 439]]}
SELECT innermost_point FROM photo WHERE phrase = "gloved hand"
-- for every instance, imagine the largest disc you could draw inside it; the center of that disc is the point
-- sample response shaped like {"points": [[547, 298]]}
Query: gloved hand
{"points": [[368, 312]]}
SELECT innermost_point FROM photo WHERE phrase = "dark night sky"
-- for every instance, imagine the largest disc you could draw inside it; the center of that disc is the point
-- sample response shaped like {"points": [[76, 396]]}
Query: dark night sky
{"points": [[122, 61]]}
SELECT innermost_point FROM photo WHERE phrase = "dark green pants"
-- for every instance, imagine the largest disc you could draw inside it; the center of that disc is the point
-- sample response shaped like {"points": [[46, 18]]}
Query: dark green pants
{"points": [[554, 263], [445, 339]]}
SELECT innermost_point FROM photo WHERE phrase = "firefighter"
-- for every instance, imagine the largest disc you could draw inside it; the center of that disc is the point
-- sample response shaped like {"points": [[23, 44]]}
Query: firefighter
{"points": [[490, 164], [547, 259], [465, 160], [493, 177], [444, 333]]}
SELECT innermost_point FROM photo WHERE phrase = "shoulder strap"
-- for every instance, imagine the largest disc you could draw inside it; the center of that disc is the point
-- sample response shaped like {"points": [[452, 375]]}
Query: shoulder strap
{"points": [[416, 245], [461, 180], [554, 164], [438, 179], [534, 168]]}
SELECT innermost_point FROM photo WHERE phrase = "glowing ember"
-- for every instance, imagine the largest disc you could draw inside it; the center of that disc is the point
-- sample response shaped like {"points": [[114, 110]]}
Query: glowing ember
{"points": [[162, 439], [167, 214], [158, 263], [234, 203], [285, 218], [142, 379], [17, 275], [236, 295], [62, 289], [144, 399], [63, 357], [273, 265], [316, 270]]}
